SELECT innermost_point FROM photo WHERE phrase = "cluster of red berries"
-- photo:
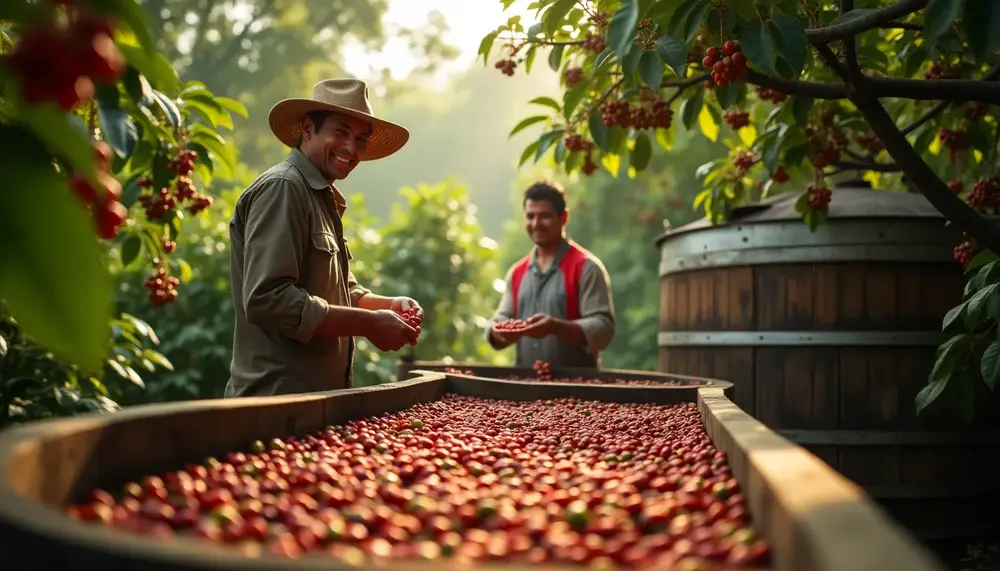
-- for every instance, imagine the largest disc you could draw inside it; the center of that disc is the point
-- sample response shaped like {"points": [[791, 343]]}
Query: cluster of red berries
{"points": [[976, 111], [780, 175], [576, 142], [573, 76], [956, 185], [938, 72], [62, 64], [589, 166], [743, 161], [594, 43], [543, 371], [512, 325], [506, 66], [159, 203], [161, 286], [963, 253], [103, 198], [413, 317], [770, 95], [954, 141], [985, 193], [869, 142], [819, 197], [826, 142], [727, 62], [657, 114], [736, 119]]}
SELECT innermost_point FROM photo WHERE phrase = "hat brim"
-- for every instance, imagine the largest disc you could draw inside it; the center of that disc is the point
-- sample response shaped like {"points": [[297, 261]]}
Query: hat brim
{"points": [[285, 120]]}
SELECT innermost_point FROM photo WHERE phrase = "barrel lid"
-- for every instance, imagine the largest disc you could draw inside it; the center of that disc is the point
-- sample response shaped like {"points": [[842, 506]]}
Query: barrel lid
{"points": [[844, 203]]}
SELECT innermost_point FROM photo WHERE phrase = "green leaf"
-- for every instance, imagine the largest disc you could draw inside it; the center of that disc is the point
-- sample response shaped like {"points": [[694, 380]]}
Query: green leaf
{"points": [[789, 33], [687, 19], [709, 126], [982, 26], [673, 53], [621, 28], [170, 109], [527, 153], [546, 141], [555, 57], [486, 45], [642, 152], [131, 14], [630, 64], [602, 59], [800, 108], [938, 18], [158, 358], [665, 138], [529, 58], [691, 108], [758, 45], [554, 17], [233, 106], [573, 98], [137, 86], [64, 135], [599, 132], [186, 273], [547, 102], [118, 129], [651, 69], [976, 311], [871, 57], [989, 365], [952, 317], [157, 70], [525, 123], [930, 393], [130, 249], [980, 259], [916, 58], [54, 280], [730, 94]]}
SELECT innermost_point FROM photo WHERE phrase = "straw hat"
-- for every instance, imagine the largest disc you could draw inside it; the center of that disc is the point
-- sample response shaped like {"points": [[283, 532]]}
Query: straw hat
{"points": [[347, 96]]}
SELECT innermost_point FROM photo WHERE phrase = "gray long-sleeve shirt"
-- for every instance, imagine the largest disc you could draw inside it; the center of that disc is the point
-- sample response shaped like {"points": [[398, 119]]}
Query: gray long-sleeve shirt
{"points": [[288, 265], [545, 292]]}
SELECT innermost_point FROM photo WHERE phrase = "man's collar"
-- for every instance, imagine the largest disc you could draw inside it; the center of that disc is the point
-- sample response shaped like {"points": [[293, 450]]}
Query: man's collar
{"points": [[315, 179]]}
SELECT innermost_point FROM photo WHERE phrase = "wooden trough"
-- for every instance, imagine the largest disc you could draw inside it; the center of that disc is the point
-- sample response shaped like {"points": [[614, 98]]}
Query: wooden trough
{"points": [[814, 519]]}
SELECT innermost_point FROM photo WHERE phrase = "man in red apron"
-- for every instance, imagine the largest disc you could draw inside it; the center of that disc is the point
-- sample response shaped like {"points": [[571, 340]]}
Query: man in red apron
{"points": [[562, 291]]}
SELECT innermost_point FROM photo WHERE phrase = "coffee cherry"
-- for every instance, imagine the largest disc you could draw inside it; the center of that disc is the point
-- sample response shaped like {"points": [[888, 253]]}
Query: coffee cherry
{"points": [[769, 95], [506, 66], [589, 167], [616, 113], [109, 216], [736, 119], [956, 185], [976, 111], [199, 202], [985, 194], [576, 142], [870, 142], [161, 285], [732, 65], [511, 326], [780, 175], [594, 43], [963, 253], [955, 141], [573, 76], [819, 197], [562, 481], [743, 161]]}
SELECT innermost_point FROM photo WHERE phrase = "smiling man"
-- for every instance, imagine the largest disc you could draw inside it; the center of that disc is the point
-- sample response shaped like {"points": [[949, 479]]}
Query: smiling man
{"points": [[562, 291], [298, 305]]}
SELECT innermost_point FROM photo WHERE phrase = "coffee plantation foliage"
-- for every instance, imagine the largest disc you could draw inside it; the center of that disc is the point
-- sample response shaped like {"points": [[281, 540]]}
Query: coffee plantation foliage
{"points": [[106, 153], [799, 91]]}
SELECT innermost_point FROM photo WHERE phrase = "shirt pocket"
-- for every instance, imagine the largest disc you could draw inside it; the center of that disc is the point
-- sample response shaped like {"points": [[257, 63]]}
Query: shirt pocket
{"points": [[323, 267]]}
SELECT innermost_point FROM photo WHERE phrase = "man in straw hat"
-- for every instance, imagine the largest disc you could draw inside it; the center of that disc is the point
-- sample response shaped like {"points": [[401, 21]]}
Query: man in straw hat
{"points": [[298, 305]]}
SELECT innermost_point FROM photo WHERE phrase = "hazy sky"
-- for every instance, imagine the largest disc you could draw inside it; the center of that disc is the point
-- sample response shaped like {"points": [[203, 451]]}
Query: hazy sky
{"points": [[468, 21]]}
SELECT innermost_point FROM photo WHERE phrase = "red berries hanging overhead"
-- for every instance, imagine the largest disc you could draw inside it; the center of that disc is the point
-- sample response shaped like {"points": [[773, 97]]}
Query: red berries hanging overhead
{"points": [[727, 62]]}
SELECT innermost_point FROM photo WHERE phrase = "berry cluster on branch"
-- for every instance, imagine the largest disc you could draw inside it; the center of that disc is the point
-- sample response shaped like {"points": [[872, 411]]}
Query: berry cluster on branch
{"points": [[159, 203], [818, 197], [727, 62], [102, 195], [162, 286]]}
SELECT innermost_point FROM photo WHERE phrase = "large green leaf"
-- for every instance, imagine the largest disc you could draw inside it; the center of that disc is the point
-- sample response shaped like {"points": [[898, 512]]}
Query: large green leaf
{"points": [[759, 46], [982, 26], [651, 69], [54, 280], [621, 28], [673, 53], [154, 67], [64, 135], [554, 16], [639, 158]]}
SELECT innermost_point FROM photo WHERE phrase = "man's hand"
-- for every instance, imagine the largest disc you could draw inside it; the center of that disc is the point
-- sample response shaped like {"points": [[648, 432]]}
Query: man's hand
{"points": [[388, 331], [540, 325], [401, 304]]}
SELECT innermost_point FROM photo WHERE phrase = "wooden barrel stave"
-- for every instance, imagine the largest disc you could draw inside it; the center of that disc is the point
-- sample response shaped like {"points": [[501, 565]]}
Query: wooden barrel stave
{"points": [[833, 334]]}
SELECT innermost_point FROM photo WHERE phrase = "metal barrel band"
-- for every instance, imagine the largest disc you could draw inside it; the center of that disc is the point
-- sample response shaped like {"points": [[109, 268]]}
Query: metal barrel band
{"points": [[798, 338]]}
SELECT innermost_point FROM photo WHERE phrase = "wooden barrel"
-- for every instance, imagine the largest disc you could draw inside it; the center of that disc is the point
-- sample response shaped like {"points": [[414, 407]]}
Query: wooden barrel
{"points": [[828, 336], [813, 518]]}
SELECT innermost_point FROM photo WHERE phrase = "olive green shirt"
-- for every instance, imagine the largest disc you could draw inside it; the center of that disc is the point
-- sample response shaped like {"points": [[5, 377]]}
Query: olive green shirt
{"points": [[289, 263]]}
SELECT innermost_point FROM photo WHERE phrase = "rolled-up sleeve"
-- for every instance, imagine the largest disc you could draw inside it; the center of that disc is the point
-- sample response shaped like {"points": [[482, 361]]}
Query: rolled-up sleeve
{"points": [[275, 245], [597, 311], [504, 311], [355, 289]]}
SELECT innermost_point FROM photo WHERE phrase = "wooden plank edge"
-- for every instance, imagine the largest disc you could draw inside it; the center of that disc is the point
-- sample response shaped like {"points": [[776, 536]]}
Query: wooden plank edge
{"points": [[560, 371], [706, 382], [814, 518]]}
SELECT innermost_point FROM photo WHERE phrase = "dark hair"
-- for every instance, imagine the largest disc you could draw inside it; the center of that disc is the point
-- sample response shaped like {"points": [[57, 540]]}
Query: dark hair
{"points": [[549, 191], [318, 118]]}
